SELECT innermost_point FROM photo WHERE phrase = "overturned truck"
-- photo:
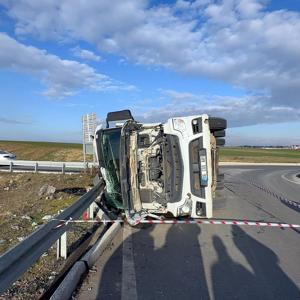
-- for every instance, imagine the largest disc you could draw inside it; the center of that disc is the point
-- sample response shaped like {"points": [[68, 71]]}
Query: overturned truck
{"points": [[160, 169]]}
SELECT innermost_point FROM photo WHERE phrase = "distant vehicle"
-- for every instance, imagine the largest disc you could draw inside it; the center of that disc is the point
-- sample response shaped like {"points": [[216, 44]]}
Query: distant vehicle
{"points": [[159, 169], [6, 156]]}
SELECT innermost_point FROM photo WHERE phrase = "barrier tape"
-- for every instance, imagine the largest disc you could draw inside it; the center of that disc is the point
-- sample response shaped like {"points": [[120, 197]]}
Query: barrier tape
{"points": [[187, 221], [290, 202]]}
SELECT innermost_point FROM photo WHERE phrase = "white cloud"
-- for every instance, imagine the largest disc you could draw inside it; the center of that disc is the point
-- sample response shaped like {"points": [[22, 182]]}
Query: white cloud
{"points": [[239, 111], [240, 138], [234, 40], [85, 54], [237, 41], [61, 77]]}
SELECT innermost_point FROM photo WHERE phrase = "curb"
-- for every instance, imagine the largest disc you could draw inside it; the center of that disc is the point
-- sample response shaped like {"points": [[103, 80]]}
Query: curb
{"points": [[70, 282]]}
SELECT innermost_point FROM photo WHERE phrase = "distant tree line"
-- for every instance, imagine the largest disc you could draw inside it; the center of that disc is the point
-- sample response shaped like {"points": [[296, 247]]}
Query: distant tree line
{"points": [[261, 147]]}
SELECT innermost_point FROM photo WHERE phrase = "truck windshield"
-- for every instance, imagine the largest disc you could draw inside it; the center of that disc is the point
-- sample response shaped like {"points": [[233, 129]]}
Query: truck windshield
{"points": [[109, 146]]}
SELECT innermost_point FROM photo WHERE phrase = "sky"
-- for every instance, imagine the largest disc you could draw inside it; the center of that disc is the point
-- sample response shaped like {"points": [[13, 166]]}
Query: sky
{"points": [[237, 59]]}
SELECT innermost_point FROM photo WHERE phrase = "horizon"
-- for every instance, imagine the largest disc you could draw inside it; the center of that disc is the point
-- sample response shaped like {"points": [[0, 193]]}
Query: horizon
{"points": [[237, 59], [80, 143]]}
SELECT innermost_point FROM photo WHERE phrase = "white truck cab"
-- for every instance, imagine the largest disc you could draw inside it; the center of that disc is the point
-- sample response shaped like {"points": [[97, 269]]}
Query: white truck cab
{"points": [[161, 169]]}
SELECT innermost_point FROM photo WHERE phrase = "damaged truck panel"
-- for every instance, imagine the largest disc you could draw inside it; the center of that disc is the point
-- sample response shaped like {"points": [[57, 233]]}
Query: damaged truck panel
{"points": [[158, 169]]}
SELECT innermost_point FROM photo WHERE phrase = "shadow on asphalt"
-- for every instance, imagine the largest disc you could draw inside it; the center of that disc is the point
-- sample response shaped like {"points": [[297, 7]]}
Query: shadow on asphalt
{"points": [[176, 270], [268, 281]]}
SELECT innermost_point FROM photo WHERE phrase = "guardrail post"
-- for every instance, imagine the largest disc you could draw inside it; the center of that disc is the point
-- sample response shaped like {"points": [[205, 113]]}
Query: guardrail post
{"points": [[61, 246], [11, 166], [91, 211], [63, 168], [36, 166]]}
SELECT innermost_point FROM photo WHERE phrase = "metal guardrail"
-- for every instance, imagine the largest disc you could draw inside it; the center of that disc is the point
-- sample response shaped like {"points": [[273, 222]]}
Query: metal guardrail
{"points": [[45, 166], [19, 259]]}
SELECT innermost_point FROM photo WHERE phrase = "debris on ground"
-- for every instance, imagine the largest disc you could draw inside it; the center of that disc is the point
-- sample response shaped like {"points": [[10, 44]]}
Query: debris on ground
{"points": [[47, 217], [23, 207], [47, 190]]}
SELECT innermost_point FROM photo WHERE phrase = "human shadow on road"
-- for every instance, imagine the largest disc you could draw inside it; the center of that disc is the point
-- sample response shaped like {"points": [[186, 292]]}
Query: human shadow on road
{"points": [[174, 271], [230, 279], [266, 280], [272, 281]]}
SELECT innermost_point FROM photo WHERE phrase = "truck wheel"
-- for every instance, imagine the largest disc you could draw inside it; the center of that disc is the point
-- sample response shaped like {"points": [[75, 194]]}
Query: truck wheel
{"points": [[220, 142], [219, 133], [217, 124]]}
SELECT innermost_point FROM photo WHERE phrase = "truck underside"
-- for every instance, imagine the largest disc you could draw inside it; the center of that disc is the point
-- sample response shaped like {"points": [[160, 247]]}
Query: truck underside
{"points": [[151, 168]]}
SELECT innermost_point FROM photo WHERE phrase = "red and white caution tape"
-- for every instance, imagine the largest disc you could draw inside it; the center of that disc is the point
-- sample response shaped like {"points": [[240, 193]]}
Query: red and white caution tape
{"points": [[188, 221]]}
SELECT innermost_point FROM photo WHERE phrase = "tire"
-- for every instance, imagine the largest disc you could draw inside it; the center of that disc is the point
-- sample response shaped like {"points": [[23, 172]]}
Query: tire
{"points": [[219, 133], [220, 142], [216, 124]]}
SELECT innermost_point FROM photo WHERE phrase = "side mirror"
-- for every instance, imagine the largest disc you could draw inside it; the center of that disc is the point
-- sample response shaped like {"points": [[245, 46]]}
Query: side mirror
{"points": [[118, 116]]}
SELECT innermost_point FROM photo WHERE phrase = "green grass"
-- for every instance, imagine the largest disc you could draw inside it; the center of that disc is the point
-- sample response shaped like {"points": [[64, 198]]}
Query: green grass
{"points": [[43, 144], [52, 207], [44, 150], [260, 155], [73, 152]]}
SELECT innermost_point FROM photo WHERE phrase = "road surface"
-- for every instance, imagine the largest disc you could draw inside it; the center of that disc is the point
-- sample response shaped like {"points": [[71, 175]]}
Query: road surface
{"points": [[211, 261]]}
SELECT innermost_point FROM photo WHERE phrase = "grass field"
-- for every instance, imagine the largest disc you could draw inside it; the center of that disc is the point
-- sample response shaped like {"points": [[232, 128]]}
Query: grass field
{"points": [[73, 152], [44, 150], [260, 155]]}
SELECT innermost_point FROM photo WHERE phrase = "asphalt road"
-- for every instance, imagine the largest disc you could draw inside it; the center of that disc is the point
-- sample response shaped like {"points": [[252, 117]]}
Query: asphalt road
{"points": [[211, 261]]}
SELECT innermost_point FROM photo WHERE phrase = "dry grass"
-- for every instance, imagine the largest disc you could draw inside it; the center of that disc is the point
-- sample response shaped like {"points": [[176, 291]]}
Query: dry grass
{"points": [[22, 208], [19, 197], [44, 150], [73, 152]]}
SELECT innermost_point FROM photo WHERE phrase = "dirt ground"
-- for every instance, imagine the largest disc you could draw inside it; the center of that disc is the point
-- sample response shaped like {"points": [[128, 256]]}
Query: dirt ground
{"points": [[25, 199]]}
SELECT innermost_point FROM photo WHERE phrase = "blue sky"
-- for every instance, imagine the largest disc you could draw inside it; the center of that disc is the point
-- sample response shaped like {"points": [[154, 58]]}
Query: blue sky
{"points": [[238, 59]]}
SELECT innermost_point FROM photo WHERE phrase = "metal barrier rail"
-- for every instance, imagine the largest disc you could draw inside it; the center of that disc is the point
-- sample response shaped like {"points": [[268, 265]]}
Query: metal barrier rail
{"points": [[45, 166], [20, 258]]}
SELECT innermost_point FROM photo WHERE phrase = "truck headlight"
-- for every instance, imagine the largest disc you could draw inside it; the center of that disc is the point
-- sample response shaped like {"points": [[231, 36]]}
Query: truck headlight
{"points": [[179, 125], [186, 208]]}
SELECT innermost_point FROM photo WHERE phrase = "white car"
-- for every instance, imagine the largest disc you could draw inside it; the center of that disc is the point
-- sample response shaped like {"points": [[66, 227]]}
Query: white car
{"points": [[160, 169], [6, 156]]}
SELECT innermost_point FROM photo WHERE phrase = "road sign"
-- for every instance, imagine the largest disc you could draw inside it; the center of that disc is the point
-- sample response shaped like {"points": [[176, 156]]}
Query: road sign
{"points": [[89, 124]]}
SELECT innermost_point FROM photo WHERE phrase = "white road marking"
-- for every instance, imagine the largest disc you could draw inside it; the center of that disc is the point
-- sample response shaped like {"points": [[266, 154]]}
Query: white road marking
{"points": [[129, 291], [292, 181]]}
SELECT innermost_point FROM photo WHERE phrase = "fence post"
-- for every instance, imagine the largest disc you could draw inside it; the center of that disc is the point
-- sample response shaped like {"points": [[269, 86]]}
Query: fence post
{"points": [[63, 168], [61, 246], [11, 167], [91, 211], [36, 167]]}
